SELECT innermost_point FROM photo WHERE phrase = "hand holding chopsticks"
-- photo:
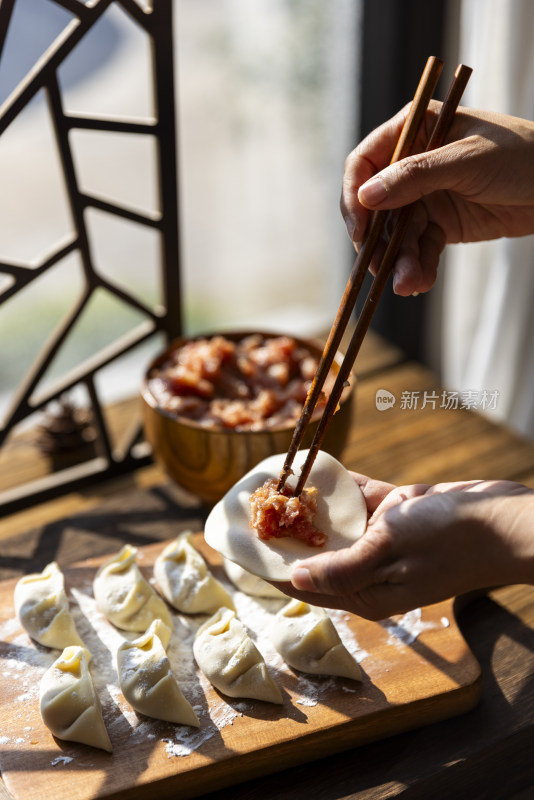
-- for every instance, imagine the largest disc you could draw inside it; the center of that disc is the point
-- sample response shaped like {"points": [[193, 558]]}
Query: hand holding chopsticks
{"points": [[419, 105]]}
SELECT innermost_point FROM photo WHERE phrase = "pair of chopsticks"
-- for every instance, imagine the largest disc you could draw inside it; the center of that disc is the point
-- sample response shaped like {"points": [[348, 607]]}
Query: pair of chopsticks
{"points": [[422, 97]]}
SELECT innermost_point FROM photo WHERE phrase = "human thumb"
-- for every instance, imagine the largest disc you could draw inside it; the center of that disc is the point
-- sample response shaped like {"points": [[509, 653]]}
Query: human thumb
{"points": [[407, 181], [338, 572]]}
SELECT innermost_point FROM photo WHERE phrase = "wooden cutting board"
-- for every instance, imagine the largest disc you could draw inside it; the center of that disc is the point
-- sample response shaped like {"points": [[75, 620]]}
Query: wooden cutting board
{"points": [[416, 668]]}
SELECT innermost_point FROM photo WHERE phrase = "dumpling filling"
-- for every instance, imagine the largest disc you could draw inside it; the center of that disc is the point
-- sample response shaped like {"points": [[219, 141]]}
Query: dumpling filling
{"points": [[275, 515], [253, 384]]}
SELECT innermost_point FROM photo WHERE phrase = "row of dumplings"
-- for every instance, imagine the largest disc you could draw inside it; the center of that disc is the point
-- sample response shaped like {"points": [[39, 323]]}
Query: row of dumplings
{"points": [[304, 636]]}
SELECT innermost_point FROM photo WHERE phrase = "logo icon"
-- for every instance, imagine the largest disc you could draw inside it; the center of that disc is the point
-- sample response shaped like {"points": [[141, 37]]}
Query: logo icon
{"points": [[384, 400]]}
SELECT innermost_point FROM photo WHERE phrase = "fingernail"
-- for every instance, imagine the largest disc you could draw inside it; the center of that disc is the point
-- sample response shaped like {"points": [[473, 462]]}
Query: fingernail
{"points": [[302, 580], [373, 192], [396, 282]]}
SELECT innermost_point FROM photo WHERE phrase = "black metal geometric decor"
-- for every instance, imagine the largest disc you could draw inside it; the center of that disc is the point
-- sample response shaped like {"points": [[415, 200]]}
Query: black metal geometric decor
{"points": [[155, 21]]}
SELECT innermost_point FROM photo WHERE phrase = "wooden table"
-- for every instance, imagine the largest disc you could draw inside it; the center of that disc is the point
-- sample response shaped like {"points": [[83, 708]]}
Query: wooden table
{"points": [[484, 753]]}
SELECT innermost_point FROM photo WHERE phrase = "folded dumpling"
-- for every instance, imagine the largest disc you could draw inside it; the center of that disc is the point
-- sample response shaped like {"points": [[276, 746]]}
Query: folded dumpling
{"points": [[307, 640], [146, 679], [231, 661], [125, 596], [69, 705], [43, 609], [248, 583], [185, 580]]}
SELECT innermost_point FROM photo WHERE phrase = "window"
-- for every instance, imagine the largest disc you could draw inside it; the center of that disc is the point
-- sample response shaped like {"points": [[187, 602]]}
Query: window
{"points": [[265, 95]]}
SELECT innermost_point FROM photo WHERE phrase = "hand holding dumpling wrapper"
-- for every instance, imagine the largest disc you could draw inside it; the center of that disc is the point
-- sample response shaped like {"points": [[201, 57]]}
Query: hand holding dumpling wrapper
{"points": [[341, 515]]}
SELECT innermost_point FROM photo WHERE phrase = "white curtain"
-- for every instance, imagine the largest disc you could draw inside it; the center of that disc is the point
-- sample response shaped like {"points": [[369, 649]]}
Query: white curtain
{"points": [[488, 288]]}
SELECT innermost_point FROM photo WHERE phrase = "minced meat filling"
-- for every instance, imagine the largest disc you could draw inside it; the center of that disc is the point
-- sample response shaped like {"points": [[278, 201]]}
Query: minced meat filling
{"points": [[276, 515], [254, 383]]}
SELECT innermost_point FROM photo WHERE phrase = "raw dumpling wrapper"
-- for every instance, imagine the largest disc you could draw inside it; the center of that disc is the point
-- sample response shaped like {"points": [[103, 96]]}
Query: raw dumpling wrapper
{"points": [[231, 661], [43, 609], [307, 640], [146, 679], [341, 514], [250, 584], [185, 580], [68, 702], [125, 596]]}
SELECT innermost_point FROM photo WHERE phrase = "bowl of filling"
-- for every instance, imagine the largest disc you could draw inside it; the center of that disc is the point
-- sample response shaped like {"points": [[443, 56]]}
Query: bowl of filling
{"points": [[216, 405]]}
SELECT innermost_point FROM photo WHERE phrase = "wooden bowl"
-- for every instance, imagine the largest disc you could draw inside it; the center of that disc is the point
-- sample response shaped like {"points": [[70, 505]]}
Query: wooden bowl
{"points": [[208, 461]]}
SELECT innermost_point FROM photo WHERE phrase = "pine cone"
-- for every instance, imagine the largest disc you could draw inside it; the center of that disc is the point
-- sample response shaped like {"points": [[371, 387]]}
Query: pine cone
{"points": [[66, 430]]}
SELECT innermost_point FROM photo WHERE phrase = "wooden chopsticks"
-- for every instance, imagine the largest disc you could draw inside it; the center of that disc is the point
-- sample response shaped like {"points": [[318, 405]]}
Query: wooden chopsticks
{"points": [[411, 126]]}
